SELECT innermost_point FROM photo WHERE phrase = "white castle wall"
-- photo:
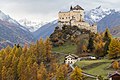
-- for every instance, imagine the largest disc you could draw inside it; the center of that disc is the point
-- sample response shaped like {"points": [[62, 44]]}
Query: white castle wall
{"points": [[75, 18]]}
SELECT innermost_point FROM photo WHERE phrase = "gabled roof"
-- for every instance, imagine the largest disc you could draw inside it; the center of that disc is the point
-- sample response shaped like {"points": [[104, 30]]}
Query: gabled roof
{"points": [[116, 73], [71, 56], [77, 8]]}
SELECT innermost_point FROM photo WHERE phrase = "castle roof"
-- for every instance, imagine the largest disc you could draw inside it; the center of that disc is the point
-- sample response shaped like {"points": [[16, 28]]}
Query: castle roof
{"points": [[77, 8], [116, 73]]}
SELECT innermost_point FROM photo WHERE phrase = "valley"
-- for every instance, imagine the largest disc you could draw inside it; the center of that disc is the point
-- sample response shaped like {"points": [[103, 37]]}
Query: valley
{"points": [[79, 44]]}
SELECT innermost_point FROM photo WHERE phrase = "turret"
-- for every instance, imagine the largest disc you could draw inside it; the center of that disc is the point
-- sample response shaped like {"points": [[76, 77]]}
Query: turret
{"points": [[71, 8]]}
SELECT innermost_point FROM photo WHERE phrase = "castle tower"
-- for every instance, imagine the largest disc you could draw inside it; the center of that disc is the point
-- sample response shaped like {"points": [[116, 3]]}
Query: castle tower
{"points": [[74, 17], [71, 8]]}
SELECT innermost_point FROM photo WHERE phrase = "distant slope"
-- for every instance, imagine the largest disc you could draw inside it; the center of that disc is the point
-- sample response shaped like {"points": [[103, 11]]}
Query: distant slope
{"points": [[45, 30], [12, 32], [115, 31], [109, 21]]}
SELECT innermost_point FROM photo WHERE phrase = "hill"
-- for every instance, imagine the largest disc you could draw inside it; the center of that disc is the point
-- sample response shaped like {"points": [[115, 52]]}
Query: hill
{"points": [[67, 34]]}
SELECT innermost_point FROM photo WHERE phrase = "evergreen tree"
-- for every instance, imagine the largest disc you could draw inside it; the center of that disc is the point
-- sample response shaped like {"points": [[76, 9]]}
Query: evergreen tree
{"points": [[91, 44], [107, 40]]}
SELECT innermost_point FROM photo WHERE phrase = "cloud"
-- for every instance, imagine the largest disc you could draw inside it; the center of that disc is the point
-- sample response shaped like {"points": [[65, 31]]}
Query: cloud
{"points": [[48, 9]]}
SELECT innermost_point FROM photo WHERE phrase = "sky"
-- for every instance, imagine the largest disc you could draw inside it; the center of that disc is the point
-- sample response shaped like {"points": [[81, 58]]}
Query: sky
{"points": [[47, 10]]}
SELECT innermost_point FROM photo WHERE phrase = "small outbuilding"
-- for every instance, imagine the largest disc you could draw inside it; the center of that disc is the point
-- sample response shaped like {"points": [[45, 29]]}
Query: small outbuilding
{"points": [[114, 76], [71, 59]]}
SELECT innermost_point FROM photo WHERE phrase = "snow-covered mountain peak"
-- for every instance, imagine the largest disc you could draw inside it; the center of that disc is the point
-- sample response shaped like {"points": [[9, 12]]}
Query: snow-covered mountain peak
{"points": [[31, 25], [95, 15], [7, 18], [99, 7], [3, 16]]}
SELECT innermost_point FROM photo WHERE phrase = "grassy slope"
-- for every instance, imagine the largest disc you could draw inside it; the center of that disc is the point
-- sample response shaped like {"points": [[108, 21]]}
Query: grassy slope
{"points": [[95, 67], [66, 48]]}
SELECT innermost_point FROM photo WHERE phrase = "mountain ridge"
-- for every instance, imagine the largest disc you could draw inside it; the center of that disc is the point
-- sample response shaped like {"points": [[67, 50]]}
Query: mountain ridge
{"points": [[12, 32], [99, 13]]}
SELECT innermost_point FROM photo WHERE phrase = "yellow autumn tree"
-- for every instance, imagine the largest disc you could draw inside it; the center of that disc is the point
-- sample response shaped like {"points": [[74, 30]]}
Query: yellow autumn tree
{"points": [[114, 49], [115, 65], [76, 74], [60, 73], [42, 72], [48, 49]]}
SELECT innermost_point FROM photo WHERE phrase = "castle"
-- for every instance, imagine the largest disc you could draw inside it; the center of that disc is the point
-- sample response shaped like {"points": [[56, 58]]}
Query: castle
{"points": [[75, 17]]}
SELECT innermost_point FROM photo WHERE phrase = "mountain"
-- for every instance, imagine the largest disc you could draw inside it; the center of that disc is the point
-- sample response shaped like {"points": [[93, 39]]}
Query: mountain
{"points": [[103, 18], [31, 26], [7, 18], [112, 20], [46, 30], [12, 32], [95, 15], [99, 15], [91, 16]]}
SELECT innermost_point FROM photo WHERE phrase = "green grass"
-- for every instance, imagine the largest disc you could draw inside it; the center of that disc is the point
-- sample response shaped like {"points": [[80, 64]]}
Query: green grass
{"points": [[95, 67], [66, 48]]}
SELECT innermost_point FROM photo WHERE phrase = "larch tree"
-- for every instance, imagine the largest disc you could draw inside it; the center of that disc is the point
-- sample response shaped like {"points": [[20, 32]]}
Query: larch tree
{"points": [[99, 49], [21, 68], [14, 67], [42, 72], [114, 49], [76, 74], [4, 73], [60, 73], [48, 49], [42, 54], [115, 65]]}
